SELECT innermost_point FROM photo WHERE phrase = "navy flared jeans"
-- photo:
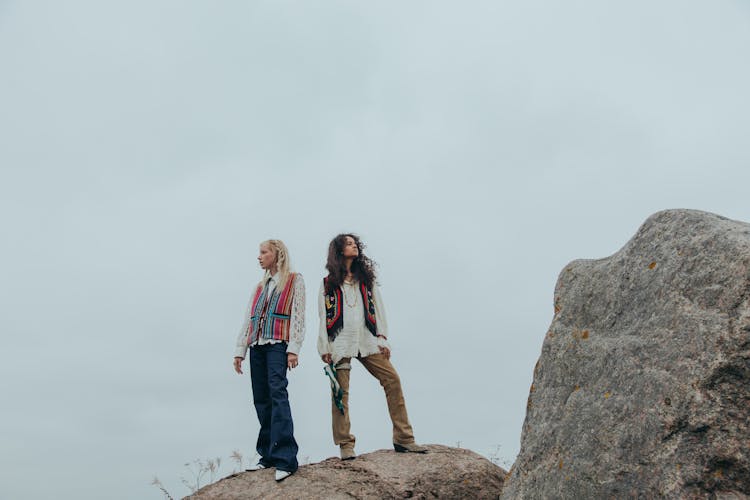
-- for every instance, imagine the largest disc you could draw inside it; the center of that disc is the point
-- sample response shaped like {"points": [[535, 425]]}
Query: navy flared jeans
{"points": [[276, 444]]}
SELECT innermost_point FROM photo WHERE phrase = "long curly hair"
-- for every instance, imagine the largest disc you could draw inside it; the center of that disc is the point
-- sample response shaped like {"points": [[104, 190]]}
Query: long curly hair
{"points": [[363, 268], [282, 262]]}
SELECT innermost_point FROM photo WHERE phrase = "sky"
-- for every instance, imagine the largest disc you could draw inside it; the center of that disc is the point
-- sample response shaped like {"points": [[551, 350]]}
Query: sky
{"points": [[146, 148]]}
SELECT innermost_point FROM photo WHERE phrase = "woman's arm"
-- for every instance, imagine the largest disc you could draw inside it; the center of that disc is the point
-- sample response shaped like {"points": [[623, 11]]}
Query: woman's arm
{"points": [[241, 343], [240, 348], [382, 322], [297, 326]]}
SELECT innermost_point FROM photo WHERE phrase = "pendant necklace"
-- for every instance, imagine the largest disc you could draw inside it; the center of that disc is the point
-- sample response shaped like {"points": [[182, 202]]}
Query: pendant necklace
{"points": [[346, 294]]}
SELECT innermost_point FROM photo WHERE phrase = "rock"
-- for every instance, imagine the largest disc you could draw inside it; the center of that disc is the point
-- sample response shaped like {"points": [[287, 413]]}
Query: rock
{"points": [[442, 473], [642, 389]]}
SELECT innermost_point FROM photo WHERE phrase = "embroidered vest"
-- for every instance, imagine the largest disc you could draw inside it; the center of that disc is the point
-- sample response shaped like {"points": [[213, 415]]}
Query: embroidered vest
{"points": [[270, 317], [335, 310]]}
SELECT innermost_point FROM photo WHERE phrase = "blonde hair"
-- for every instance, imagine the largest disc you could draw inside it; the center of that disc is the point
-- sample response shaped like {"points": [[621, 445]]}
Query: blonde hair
{"points": [[282, 261]]}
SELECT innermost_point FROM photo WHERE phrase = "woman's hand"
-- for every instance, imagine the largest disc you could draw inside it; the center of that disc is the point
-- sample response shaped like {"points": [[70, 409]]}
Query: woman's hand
{"points": [[326, 358], [238, 365], [292, 360], [385, 351]]}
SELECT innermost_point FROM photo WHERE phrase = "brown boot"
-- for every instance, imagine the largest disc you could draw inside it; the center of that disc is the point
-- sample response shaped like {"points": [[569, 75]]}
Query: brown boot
{"points": [[348, 454], [409, 448]]}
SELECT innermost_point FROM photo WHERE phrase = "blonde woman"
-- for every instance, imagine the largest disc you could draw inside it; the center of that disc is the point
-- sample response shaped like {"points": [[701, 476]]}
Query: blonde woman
{"points": [[272, 331]]}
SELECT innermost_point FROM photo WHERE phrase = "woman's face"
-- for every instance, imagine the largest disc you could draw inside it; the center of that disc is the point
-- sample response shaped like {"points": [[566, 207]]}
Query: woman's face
{"points": [[267, 257], [350, 248]]}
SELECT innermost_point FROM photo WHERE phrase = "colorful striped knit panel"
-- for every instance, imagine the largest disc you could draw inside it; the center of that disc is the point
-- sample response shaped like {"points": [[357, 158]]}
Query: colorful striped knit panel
{"points": [[259, 299], [277, 310]]}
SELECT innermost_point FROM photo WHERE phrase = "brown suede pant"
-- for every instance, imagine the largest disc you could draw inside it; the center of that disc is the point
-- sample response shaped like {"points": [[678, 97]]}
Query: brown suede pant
{"points": [[382, 369]]}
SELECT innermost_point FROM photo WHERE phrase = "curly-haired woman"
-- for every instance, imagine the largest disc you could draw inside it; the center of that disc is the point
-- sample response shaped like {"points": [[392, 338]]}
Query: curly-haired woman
{"points": [[273, 330], [353, 325]]}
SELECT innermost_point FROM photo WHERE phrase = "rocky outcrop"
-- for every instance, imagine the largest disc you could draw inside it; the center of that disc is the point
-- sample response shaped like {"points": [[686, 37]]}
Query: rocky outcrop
{"points": [[442, 473], [642, 389]]}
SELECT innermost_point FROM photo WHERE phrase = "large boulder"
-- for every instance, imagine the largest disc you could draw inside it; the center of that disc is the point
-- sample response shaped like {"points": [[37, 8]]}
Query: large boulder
{"points": [[442, 473], [642, 389]]}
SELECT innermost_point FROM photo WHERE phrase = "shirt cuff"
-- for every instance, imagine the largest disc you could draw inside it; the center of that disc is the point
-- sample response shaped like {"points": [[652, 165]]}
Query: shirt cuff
{"points": [[293, 347], [240, 352], [329, 349], [383, 342]]}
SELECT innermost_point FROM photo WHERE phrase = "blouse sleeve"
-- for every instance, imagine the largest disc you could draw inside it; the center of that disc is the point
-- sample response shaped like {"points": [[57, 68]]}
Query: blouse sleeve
{"points": [[380, 318], [297, 326], [324, 347], [241, 345]]}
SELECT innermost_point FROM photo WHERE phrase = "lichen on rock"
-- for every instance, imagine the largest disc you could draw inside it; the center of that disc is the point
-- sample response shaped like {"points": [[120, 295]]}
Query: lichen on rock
{"points": [[654, 400]]}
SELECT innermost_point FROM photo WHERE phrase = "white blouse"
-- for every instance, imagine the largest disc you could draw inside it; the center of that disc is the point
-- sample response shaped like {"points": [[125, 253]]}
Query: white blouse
{"points": [[297, 320], [354, 339]]}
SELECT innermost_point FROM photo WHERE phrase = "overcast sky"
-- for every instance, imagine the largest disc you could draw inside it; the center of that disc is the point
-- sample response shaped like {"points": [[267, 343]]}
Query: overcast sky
{"points": [[147, 147]]}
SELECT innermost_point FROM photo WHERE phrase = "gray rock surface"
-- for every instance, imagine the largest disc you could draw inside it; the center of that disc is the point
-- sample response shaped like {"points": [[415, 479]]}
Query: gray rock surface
{"points": [[642, 389], [442, 473]]}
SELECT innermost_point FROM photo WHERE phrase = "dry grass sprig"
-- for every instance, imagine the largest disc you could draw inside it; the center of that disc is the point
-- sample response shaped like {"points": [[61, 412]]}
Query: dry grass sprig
{"points": [[155, 481], [237, 458], [198, 469], [495, 458]]}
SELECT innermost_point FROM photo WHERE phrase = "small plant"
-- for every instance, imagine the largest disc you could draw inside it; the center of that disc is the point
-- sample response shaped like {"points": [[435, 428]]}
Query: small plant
{"points": [[155, 481], [202, 473], [198, 469], [496, 458], [237, 458]]}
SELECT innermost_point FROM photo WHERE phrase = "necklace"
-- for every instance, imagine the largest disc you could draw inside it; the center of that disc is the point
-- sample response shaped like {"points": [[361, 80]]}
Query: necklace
{"points": [[346, 294]]}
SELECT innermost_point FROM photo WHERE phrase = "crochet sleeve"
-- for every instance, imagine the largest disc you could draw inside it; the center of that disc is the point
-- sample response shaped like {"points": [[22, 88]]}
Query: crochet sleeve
{"points": [[297, 326], [380, 317], [240, 348]]}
